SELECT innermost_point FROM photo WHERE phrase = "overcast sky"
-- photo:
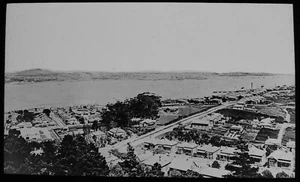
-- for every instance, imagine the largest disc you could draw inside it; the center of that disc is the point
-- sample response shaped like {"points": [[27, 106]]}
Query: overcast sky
{"points": [[150, 36]]}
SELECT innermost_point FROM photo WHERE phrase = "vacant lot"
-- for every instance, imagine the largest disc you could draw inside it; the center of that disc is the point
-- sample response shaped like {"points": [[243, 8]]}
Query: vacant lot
{"points": [[288, 135], [240, 114], [185, 111], [264, 133], [165, 118]]}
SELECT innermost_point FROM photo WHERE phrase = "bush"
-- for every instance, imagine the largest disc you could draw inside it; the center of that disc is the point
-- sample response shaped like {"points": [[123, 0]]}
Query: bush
{"points": [[215, 164]]}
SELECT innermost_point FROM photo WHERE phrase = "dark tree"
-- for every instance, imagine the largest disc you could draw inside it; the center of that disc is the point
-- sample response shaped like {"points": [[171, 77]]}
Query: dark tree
{"points": [[155, 171], [47, 112], [16, 151], [282, 175], [215, 164], [267, 174], [145, 105], [215, 140], [241, 167], [131, 165], [95, 125]]}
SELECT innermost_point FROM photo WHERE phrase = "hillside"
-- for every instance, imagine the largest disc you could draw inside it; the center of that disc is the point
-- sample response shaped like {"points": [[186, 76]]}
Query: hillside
{"points": [[42, 75]]}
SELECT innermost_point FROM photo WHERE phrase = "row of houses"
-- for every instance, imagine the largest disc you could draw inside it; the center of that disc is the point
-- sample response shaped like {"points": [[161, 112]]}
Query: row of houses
{"points": [[283, 157]]}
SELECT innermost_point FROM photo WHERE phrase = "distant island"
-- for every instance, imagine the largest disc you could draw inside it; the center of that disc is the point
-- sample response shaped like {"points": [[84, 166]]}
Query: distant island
{"points": [[43, 75]]}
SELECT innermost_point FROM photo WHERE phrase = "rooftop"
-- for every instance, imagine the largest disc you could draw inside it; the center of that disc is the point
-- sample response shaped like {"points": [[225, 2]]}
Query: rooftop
{"points": [[161, 159], [256, 151], [201, 121], [208, 148], [187, 145], [281, 155]]}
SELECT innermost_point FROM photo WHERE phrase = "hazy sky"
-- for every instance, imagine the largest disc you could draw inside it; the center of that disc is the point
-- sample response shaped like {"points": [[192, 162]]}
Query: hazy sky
{"points": [[150, 36]]}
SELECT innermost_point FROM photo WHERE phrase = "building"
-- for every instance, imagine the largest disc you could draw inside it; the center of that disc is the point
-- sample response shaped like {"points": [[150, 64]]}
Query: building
{"points": [[227, 154], [258, 155], [181, 165], [186, 148], [117, 132], [282, 159], [207, 151], [36, 134], [147, 122], [272, 141], [238, 107], [291, 145], [201, 124], [214, 101], [167, 145], [209, 172], [163, 160]]}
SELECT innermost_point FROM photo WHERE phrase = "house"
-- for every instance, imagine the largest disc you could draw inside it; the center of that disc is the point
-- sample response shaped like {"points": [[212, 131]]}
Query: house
{"points": [[186, 148], [147, 154], [237, 128], [202, 124], [272, 141], [162, 159], [207, 151], [147, 122], [167, 145], [282, 159], [258, 155], [291, 146], [24, 125], [182, 165], [227, 154], [117, 132], [214, 101], [238, 107], [36, 134], [209, 172]]}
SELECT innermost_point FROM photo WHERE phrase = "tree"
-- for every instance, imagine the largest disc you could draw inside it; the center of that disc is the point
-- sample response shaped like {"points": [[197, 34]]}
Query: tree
{"points": [[74, 156], [118, 113], [16, 150], [215, 164], [47, 112], [282, 175], [145, 105], [95, 125], [175, 173], [131, 165], [192, 174], [215, 140], [241, 167], [267, 174], [155, 171]]}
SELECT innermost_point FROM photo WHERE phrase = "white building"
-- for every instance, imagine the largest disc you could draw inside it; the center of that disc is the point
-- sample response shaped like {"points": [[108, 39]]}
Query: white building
{"points": [[202, 124]]}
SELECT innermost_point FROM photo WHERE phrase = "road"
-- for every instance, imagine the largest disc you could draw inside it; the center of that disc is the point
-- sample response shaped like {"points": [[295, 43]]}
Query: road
{"points": [[134, 141], [57, 120]]}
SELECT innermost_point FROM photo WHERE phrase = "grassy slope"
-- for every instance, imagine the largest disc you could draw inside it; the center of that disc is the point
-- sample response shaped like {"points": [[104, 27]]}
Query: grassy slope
{"points": [[82, 75]]}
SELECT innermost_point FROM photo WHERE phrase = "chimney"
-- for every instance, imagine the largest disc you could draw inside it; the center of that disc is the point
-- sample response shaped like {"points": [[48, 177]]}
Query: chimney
{"points": [[251, 85]]}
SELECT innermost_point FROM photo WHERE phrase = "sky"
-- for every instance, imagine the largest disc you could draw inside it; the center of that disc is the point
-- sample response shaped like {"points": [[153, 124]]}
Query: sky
{"points": [[214, 37]]}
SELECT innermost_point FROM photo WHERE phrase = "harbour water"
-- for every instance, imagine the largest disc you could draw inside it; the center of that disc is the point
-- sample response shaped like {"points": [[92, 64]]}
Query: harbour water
{"points": [[21, 96]]}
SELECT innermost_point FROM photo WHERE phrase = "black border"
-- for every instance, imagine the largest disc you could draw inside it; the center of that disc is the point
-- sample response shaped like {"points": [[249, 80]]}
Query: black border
{"points": [[296, 48]]}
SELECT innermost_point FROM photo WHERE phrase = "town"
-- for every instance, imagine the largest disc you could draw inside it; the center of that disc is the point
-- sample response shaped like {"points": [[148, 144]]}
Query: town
{"points": [[208, 136]]}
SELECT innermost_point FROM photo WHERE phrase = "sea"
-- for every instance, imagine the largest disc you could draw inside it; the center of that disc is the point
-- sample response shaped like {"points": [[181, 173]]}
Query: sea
{"points": [[102, 92]]}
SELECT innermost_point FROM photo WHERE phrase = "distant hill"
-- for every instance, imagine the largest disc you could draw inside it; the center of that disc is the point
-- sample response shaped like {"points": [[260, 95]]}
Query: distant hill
{"points": [[42, 75]]}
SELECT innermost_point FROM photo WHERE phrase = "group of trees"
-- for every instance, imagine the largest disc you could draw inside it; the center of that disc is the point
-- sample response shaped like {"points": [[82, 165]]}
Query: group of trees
{"points": [[144, 105], [130, 166], [73, 156]]}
